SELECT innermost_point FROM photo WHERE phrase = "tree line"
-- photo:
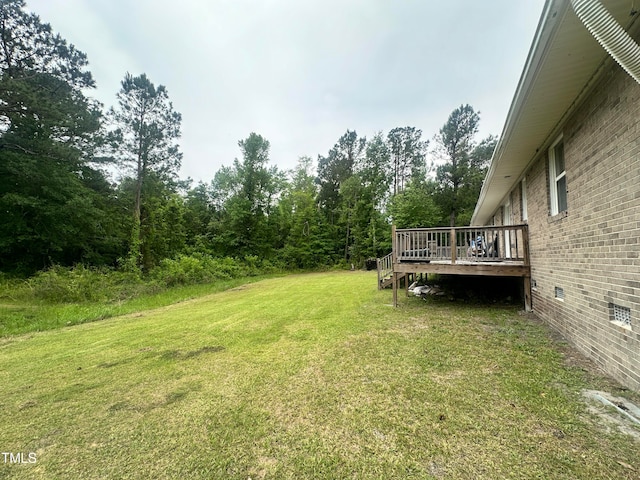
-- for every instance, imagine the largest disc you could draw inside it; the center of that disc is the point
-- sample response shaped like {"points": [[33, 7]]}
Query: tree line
{"points": [[60, 206]]}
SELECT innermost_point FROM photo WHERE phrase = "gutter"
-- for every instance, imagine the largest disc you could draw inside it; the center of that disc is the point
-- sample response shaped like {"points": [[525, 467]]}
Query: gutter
{"points": [[610, 35]]}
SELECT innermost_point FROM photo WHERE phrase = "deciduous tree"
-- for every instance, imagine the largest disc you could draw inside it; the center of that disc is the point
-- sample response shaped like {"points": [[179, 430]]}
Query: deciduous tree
{"points": [[307, 244], [246, 193], [415, 206]]}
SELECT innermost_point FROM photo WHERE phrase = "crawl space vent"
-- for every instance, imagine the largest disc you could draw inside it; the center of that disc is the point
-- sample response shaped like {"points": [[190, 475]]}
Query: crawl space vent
{"points": [[620, 314]]}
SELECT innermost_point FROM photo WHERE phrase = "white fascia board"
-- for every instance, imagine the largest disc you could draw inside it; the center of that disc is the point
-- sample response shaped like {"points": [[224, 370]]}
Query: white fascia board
{"points": [[553, 11]]}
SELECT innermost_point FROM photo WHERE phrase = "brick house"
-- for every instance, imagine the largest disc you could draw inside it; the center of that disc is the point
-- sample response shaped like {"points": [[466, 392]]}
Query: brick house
{"points": [[568, 165]]}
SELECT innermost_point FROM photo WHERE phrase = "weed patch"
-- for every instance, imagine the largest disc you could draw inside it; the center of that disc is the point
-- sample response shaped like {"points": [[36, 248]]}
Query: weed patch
{"points": [[65, 297]]}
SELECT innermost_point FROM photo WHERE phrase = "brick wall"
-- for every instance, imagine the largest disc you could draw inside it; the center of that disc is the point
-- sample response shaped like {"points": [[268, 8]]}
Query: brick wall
{"points": [[515, 197], [592, 250]]}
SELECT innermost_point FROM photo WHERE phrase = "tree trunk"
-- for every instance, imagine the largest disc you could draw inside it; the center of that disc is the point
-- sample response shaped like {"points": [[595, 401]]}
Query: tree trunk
{"points": [[346, 240]]}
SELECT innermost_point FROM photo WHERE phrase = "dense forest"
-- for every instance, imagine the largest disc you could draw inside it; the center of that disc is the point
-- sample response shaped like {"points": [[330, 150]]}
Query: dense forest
{"points": [[61, 205]]}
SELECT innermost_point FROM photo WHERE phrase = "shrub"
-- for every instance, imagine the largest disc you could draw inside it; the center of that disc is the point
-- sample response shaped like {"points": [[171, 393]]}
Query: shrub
{"points": [[227, 267], [182, 270], [201, 268], [251, 264], [12, 288], [82, 284]]}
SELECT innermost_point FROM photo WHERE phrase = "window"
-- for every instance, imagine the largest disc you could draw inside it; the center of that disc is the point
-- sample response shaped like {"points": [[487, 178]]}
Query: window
{"points": [[557, 177], [525, 214]]}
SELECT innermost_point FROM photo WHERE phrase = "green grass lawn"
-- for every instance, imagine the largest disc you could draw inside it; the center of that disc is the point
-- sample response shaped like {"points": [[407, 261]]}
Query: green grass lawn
{"points": [[27, 314], [307, 376]]}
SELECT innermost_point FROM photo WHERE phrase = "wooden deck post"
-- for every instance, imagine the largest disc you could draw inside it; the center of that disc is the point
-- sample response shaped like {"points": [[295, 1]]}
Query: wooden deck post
{"points": [[454, 246], [394, 259], [527, 293], [394, 246], [395, 289], [525, 245], [527, 261]]}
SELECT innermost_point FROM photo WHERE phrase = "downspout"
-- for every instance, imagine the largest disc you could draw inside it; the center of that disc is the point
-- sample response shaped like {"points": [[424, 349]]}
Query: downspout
{"points": [[609, 34]]}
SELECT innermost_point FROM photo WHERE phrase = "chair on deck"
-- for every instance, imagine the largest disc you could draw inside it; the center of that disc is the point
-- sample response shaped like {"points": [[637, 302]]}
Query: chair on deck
{"points": [[477, 247], [480, 248]]}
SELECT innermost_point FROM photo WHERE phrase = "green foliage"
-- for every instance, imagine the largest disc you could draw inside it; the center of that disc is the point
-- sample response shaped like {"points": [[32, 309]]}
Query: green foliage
{"points": [[146, 128], [163, 226], [460, 177], [29, 44], [191, 269], [337, 196], [131, 262], [369, 192], [53, 215], [198, 214], [416, 207], [82, 284], [408, 153], [336, 168], [202, 268], [144, 138], [54, 204], [59, 208], [246, 198], [308, 243]]}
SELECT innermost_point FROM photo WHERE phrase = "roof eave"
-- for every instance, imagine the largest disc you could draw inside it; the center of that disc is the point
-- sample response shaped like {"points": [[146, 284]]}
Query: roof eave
{"points": [[547, 26]]}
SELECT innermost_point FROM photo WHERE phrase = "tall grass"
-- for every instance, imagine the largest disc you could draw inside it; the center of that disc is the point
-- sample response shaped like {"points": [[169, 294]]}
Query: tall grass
{"points": [[62, 296]]}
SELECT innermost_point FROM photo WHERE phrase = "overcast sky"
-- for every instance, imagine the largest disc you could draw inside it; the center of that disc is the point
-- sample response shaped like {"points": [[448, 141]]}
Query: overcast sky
{"points": [[302, 72]]}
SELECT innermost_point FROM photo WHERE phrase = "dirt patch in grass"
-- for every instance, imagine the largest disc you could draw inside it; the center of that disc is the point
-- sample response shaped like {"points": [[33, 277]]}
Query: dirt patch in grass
{"points": [[124, 361], [165, 355], [575, 359], [606, 418], [184, 355], [611, 419]]}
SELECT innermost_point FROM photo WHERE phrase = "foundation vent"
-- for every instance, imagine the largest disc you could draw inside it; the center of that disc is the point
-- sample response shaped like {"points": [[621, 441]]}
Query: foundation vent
{"points": [[620, 315], [559, 293]]}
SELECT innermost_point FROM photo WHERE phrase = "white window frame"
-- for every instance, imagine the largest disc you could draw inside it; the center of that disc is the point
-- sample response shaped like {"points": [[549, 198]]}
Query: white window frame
{"points": [[555, 177], [525, 212]]}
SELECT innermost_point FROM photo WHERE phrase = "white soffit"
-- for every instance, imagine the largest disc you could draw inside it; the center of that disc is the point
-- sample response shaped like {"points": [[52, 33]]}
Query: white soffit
{"points": [[563, 58]]}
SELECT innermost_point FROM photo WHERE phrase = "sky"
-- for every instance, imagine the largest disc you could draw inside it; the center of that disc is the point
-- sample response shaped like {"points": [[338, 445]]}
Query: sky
{"points": [[302, 72]]}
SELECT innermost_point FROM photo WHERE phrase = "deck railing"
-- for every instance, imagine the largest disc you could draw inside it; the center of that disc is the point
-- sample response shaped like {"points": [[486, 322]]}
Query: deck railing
{"points": [[385, 269], [491, 243]]}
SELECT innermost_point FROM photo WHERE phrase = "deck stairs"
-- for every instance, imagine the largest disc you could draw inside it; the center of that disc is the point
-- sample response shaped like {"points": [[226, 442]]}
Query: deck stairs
{"points": [[385, 272]]}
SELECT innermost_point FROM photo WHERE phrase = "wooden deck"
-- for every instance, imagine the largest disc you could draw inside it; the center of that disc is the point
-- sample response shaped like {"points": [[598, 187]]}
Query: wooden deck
{"points": [[485, 251]]}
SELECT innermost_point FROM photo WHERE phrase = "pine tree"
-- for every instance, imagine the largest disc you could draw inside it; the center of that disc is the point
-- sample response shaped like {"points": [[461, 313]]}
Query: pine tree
{"points": [[144, 138]]}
